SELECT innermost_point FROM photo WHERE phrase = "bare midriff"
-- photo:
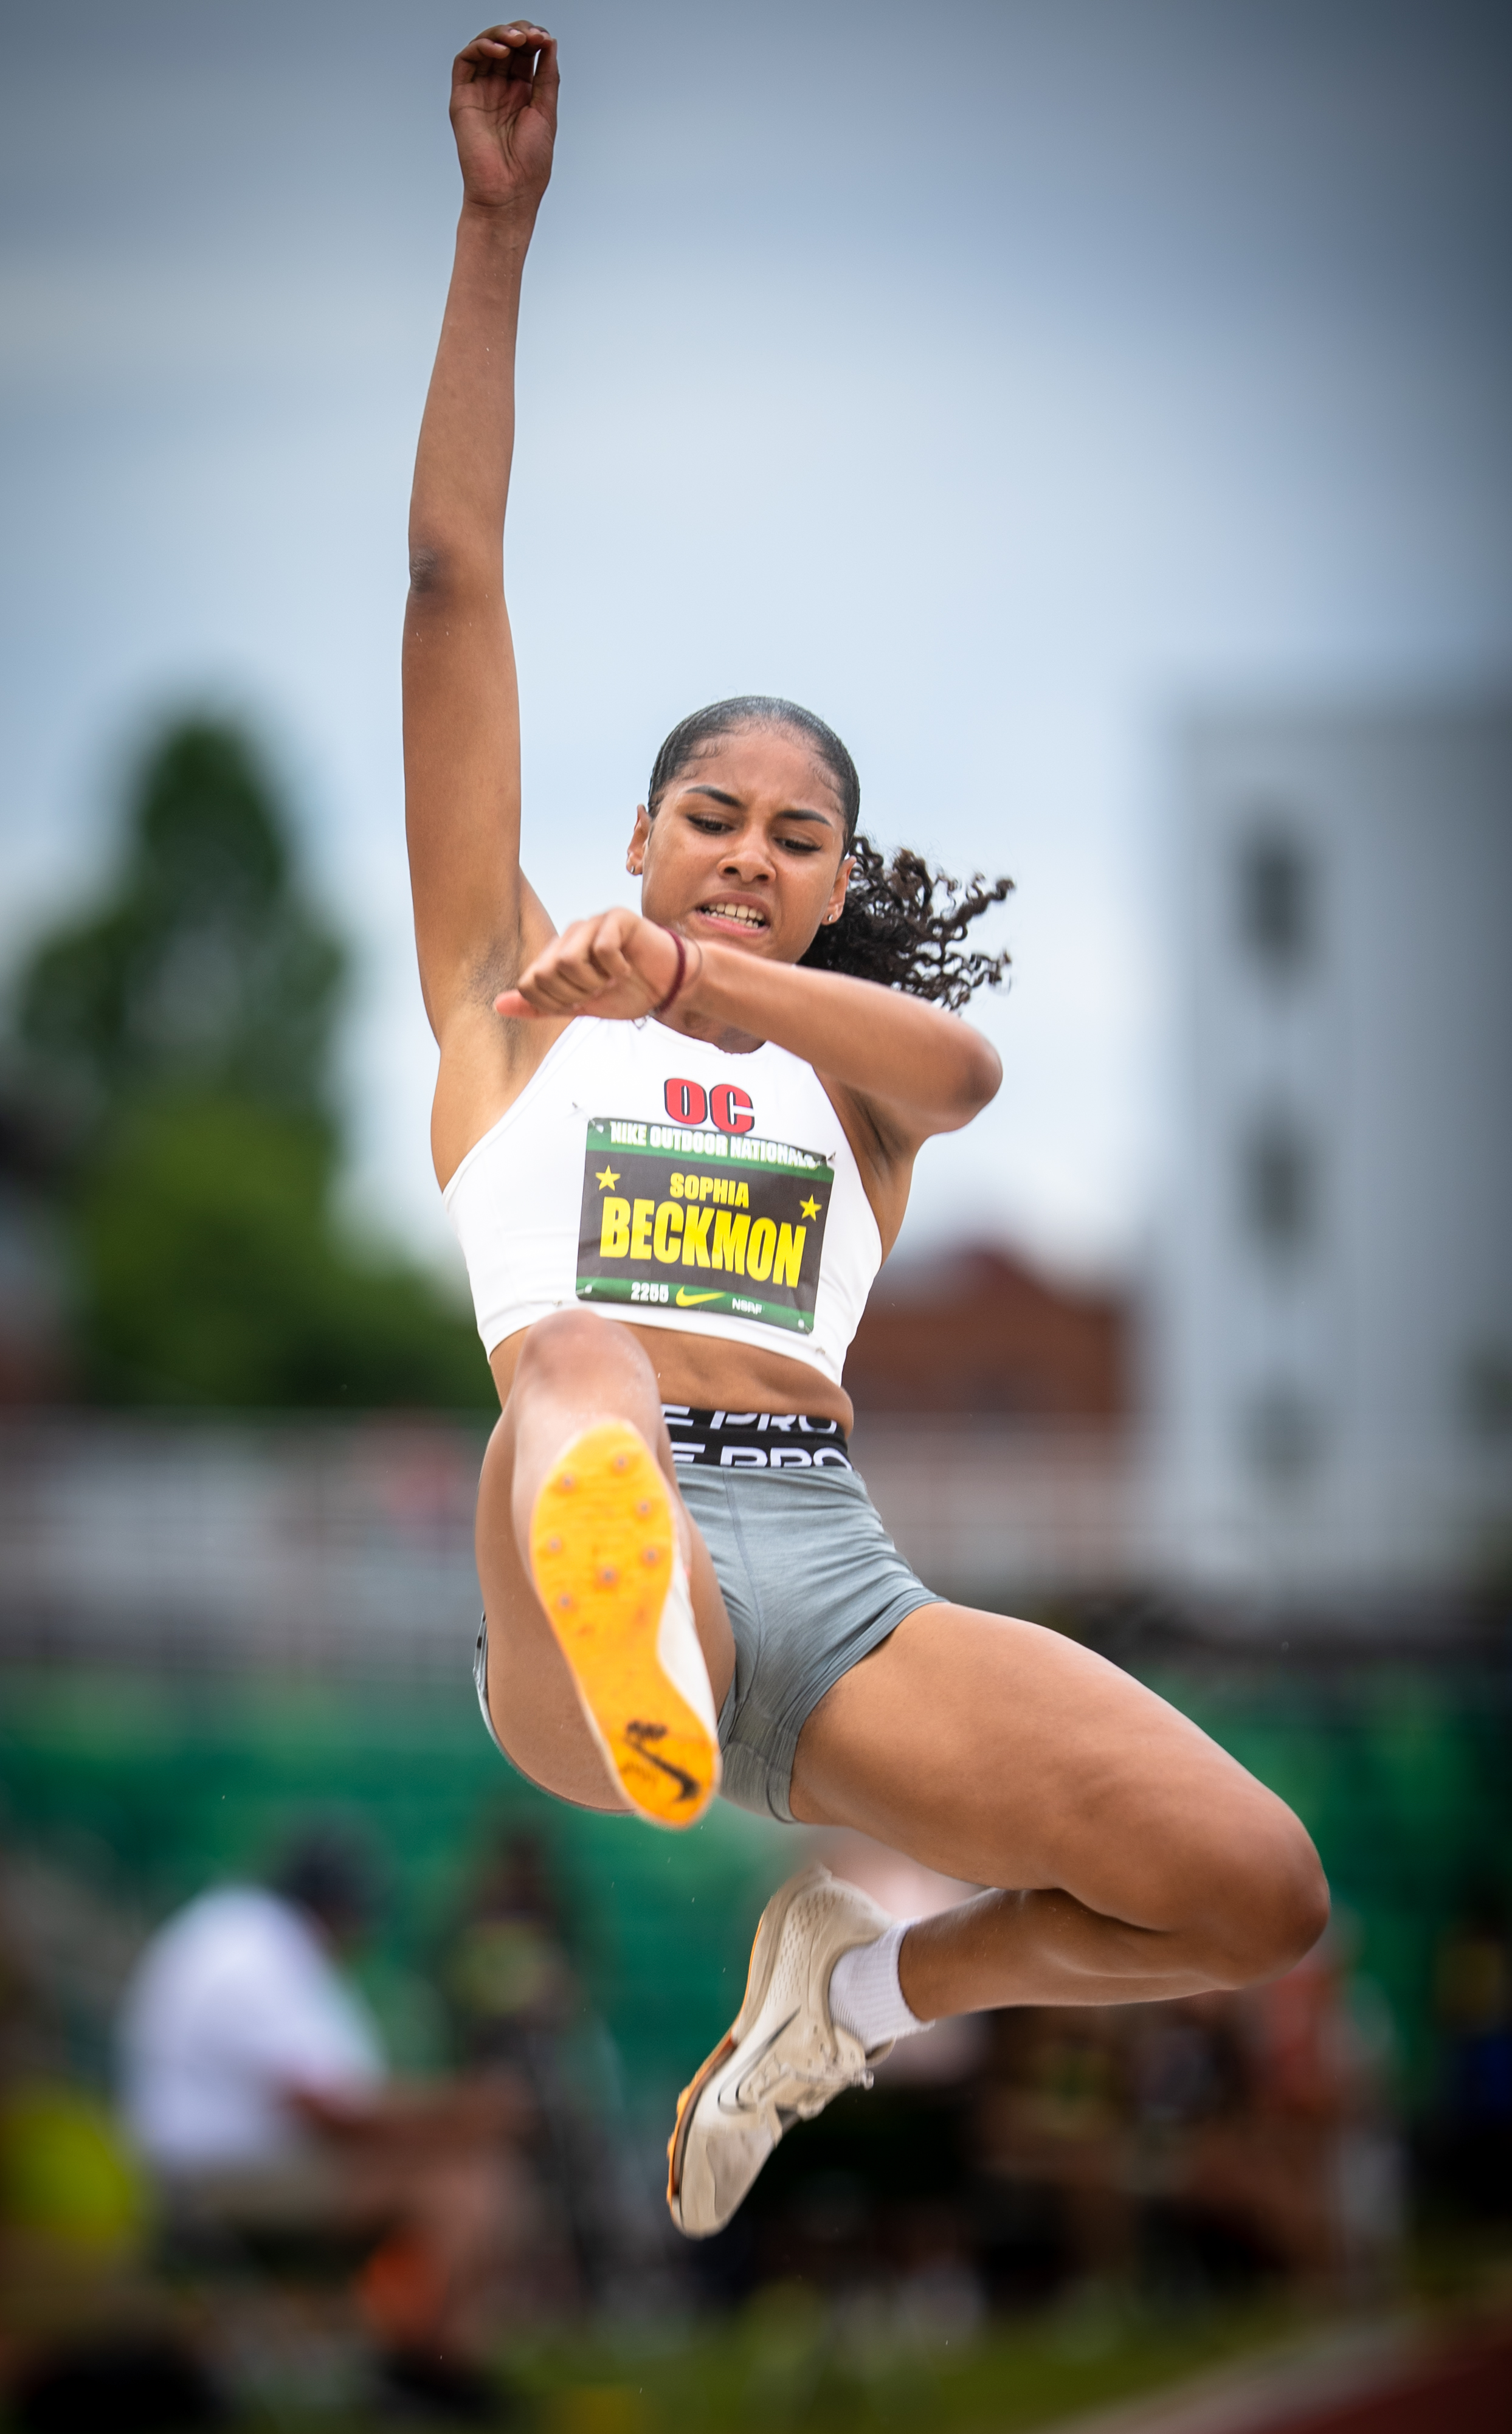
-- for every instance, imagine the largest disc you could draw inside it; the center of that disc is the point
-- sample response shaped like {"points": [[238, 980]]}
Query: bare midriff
{"points": [[709, 1375]]}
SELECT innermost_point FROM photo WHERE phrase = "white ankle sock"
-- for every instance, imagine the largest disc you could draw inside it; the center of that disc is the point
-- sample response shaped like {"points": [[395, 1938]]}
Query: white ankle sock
{"points": [[865, 1992]]}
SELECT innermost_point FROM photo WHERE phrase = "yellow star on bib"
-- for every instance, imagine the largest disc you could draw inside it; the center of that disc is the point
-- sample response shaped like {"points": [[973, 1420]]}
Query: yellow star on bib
{"points": [[809, 1208], [607, 1178]]}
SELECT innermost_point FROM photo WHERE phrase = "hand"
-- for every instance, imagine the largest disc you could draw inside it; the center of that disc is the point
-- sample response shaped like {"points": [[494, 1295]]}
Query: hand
{"points": [[504, 114], [615, 966]]}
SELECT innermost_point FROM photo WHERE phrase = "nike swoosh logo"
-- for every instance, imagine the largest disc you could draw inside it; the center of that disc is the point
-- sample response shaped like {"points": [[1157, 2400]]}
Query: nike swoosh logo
{"points": [[639, 1737], [750, 2061], [686, 1300]]}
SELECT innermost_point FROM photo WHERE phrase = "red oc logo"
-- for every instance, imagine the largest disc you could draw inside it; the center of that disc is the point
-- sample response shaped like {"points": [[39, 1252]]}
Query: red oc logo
{"points": [[686, 1103]]}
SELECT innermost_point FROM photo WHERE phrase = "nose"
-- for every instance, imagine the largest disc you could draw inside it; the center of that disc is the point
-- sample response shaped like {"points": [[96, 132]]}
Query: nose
{"points": [[747, 857]]}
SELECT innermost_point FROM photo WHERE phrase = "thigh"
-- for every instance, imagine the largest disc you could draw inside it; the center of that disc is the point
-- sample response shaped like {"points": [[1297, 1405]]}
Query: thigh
{"points": [[1002, 1753], [532, 1700]]}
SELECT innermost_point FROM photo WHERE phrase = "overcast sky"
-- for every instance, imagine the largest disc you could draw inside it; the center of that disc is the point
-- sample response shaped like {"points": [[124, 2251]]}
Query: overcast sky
{"points": [[996, 388]]}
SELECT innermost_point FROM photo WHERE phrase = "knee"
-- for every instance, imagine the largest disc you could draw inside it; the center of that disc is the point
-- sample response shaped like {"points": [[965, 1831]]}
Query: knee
{"points": [[569, 1342], [1270, 1901]]}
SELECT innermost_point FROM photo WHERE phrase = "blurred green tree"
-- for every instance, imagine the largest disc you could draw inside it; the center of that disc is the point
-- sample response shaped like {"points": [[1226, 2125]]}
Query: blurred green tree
{"points": [[206, 968], [188, 1026]]}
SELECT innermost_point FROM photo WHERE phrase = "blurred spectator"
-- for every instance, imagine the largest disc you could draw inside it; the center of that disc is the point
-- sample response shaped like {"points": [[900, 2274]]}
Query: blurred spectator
{"points": [[238, 2029], [516, 2007], [1329, 2162], [73, 2206], [1208, 2139], [254, 2085], [511, 1986], [1471, 2144]]}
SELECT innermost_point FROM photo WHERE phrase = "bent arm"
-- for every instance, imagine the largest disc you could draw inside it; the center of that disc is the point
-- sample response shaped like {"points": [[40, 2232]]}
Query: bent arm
{"points": [[927, 1070], [916, 1070], [476, 921], [394, 2116]]}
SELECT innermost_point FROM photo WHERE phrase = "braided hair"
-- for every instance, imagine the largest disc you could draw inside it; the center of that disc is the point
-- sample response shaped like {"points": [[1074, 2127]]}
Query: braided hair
{"points": [[902, 923]]}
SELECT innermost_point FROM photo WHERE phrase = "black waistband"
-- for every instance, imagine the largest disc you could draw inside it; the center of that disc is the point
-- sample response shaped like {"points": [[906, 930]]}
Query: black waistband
{"points": [[754, 1440]]}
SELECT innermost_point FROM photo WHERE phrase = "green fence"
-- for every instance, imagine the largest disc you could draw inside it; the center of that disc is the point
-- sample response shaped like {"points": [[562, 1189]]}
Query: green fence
{"points": [[155, 1787], [1403, 1775]]}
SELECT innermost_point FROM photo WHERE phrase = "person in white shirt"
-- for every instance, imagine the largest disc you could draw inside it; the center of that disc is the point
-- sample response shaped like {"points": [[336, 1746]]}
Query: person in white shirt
{"points": [[236, 2017], [254, 2086]]}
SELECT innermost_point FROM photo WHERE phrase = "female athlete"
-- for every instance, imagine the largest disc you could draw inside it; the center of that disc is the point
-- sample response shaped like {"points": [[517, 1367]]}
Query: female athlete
{"points": [[676, 1147]]}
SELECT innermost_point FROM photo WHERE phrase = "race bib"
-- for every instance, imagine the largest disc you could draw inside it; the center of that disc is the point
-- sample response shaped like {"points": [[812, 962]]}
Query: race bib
{"points": [[724, 1222]]}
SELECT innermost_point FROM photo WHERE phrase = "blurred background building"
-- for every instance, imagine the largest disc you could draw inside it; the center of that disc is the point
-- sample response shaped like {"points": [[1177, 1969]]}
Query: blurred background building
{"points": [[1332, 1329]]}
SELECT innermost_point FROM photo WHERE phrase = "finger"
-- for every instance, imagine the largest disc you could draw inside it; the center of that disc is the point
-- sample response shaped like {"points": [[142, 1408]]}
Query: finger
{"points": [[606, 955], [517, 48], [546, 84], [532, 45], [566, 986], [511, 48], [545, 993], [617, 976], [587, 954], [574, 966], [561, 984], [515, 36], [485, 51]]}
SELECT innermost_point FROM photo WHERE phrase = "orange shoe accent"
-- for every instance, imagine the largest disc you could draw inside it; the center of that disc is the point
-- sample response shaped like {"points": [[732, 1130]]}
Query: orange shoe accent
{"points": [[682, 2123], [677, 2144], [602, 1550]]}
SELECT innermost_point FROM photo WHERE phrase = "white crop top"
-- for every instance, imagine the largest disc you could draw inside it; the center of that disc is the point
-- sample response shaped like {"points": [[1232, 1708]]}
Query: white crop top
{"points": [[665, 1182]]}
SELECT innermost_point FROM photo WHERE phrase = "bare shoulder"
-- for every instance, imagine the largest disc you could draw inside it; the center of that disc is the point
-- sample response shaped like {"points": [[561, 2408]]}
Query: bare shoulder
{"points": [[486, 1061]]}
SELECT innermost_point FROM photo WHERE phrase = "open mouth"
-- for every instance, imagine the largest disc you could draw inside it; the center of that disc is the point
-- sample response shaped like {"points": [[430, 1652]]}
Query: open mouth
{"points": [[744, 917]]}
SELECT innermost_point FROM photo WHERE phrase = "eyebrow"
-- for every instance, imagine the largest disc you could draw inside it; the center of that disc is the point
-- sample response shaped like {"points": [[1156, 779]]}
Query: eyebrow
{"points": [[789, 811]]}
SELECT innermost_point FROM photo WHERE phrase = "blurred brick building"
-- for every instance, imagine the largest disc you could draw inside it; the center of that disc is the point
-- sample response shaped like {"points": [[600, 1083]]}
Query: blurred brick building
{"points": [[977, 1331]]}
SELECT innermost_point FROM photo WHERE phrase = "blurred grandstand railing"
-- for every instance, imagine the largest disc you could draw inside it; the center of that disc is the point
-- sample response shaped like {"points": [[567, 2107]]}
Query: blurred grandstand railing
{"points": [[985, 1507], [289, 1545], [324, 1548]]}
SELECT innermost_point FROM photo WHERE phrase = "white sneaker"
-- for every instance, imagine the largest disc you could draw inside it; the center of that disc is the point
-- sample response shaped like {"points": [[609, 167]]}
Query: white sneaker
{"points": [[784, 2057]]}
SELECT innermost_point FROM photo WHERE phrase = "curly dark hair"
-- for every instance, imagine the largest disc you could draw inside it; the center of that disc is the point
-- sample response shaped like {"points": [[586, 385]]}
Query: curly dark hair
{"points": [[902, 922]]}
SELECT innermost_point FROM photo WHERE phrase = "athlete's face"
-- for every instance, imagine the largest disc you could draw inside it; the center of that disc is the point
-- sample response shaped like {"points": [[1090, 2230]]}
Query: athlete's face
{"points": [[748, 846]]}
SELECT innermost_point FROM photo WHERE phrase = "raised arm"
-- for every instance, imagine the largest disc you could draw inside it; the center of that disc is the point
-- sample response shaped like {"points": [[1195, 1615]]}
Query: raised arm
{"points": [[476, 922]]}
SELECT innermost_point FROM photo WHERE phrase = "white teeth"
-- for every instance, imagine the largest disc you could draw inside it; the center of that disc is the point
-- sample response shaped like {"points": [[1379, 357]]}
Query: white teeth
{"points": [[736, 913]]}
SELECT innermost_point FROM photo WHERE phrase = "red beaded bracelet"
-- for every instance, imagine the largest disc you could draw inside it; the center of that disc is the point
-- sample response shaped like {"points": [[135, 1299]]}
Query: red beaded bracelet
{"points": [[676, 990]]}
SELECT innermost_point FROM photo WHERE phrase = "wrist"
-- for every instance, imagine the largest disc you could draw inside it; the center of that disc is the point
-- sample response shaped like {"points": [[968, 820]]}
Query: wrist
{"points": [[510, 221], [688, 970], [710, 968], [718, 991]]}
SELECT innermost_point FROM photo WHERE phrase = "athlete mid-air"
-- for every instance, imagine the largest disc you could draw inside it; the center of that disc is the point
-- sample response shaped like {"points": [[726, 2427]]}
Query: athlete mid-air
{"points": [[676, 1147]]}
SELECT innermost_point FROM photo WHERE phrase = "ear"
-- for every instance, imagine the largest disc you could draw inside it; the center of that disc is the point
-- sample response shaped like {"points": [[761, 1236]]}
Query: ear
{"points": [[639, 839], [842, 881]]}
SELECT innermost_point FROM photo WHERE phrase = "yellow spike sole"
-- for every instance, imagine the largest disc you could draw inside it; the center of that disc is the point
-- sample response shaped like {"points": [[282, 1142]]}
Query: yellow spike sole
{"points": [[602, 1543]]}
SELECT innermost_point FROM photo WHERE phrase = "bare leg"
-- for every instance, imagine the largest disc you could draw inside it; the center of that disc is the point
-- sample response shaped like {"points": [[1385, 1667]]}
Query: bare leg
{"points": [[1136, 1859], [575, 1369]]}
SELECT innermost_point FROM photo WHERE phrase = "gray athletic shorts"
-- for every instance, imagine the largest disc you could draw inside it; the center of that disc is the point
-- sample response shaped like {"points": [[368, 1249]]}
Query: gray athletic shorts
{"points": [[812, 1583]]}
